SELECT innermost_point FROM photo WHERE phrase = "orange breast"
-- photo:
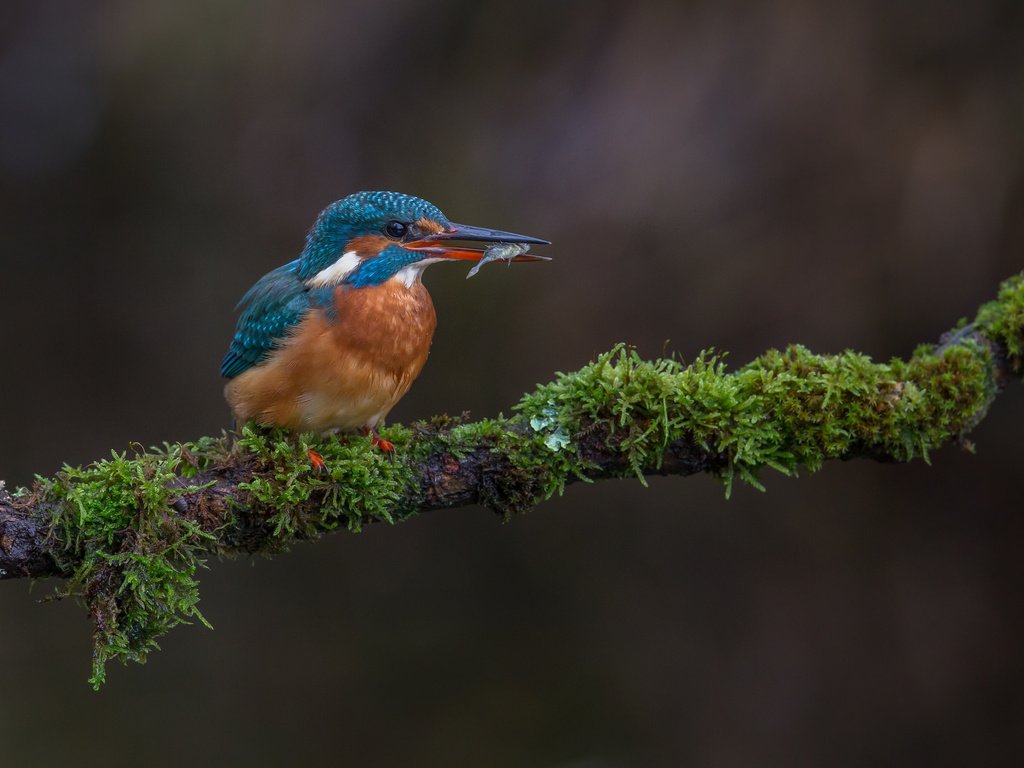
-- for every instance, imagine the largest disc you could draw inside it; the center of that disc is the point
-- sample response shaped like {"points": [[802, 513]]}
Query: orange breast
{"points": [[341, 372]]}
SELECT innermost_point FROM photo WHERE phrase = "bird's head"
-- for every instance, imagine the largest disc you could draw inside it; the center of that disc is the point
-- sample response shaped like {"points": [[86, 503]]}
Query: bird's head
{"points": [[370, 237]]}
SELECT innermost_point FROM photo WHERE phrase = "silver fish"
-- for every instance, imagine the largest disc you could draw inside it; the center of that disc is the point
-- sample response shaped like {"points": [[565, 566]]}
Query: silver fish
{"points": [[500, 252]]}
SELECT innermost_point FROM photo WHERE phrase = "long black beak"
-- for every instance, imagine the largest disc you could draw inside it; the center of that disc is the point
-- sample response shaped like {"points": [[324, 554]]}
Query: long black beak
{"points": [[432, 244], [480, 234]]}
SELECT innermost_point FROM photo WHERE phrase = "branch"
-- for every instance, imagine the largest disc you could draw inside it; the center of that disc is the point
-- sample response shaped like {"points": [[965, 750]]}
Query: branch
{"points": [[127, 534]]}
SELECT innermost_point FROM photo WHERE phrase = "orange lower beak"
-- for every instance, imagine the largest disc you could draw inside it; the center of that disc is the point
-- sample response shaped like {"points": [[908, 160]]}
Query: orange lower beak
{"points": [[461, 253]]}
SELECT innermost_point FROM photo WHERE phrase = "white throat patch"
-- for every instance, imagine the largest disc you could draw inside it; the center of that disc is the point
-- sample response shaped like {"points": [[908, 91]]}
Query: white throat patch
{"points": [[337, 272], [411, 275]]}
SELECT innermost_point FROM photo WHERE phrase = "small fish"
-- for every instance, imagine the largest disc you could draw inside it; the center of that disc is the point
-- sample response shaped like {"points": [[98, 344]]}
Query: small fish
{"points": [[502, 252]]}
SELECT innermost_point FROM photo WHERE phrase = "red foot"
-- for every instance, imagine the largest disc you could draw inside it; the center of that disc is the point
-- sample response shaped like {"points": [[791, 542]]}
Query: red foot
{"points": [[378, 442], [316, 460]]}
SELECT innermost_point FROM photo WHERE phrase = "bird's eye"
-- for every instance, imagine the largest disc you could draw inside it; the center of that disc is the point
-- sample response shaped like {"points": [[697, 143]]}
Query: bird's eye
{"points": [[395, 229]]}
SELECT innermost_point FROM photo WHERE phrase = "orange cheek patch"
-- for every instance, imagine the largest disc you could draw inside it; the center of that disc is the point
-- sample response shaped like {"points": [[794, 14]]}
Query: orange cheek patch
{"points": [[429, 226]]}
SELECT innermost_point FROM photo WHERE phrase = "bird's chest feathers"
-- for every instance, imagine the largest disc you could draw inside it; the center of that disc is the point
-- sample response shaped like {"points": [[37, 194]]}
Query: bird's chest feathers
{"points": [[346, 364], [391, 324]]}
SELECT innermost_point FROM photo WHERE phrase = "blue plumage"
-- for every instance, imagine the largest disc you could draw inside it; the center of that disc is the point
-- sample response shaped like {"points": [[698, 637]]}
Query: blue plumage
{"points": [[356, 215], [276, 303]]}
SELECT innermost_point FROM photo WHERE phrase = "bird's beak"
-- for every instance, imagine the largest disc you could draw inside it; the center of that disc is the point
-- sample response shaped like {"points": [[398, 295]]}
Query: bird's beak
{"points": [[432, 245]]}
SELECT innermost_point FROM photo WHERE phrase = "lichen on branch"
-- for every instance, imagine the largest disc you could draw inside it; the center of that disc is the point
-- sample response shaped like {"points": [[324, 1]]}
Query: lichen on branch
{"points": [[129, 534]]}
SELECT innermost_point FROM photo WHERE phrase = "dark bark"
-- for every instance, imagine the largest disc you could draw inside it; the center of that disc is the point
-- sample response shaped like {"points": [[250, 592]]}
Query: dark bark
{"points": [[23, 550]]}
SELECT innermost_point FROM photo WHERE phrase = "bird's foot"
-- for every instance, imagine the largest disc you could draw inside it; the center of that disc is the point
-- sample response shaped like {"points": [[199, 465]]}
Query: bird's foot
{"points": [[386, 446], [316, 461]]}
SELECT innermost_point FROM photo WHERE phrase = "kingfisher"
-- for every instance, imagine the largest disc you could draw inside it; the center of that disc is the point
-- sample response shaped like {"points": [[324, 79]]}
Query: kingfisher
{"points": [[332, 340]]}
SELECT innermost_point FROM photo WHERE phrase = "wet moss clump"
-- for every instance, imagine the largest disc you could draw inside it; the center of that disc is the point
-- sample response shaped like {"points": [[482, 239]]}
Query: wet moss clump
{"points": [[132, 557], [785, 410], [126, 551], [358, 485], [1002, 321]]}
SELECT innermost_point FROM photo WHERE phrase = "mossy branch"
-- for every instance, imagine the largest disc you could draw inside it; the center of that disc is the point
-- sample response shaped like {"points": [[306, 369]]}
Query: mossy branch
{"points": [[129, 533]]}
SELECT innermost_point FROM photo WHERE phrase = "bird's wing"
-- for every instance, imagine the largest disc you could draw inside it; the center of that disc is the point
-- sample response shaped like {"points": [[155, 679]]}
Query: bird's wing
{"points": [[277, 302]]}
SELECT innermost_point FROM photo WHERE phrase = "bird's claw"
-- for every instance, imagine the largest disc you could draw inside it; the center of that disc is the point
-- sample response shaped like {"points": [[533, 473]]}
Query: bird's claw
{"points": [[386, 446], [316, 461]]}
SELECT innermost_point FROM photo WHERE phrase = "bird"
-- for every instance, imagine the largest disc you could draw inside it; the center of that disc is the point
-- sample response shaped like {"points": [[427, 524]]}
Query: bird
{"points": [[331, 341]]}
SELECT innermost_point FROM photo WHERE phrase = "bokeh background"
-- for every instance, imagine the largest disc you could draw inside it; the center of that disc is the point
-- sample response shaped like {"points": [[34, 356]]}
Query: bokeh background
{"points": [[730, 174]]}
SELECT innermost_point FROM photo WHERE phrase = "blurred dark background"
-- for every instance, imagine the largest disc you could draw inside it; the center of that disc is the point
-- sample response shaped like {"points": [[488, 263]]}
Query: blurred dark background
{"points": [[726, 174]]}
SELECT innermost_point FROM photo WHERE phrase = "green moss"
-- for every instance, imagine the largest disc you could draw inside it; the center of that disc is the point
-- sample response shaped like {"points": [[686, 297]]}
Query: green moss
{"points": [[828, 406], [359, 483], [132, 559], [785, 410], [630, 401], [1002, 320]]}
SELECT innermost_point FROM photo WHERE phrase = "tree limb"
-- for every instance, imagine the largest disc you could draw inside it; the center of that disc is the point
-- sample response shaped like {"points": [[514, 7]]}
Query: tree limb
{"points": [[128, 533], [217, 496]]}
